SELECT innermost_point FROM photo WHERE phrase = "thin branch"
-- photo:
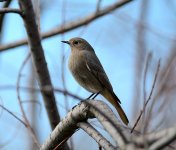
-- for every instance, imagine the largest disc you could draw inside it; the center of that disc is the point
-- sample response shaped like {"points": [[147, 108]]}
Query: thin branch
{"points": [[31, 131], [10, 10], [149, 55], [157, 140], [140, 55], [11, 113], [89, 129], [44, 89], [145, 75], [32, 101], [70, 25], [3, 0], [151, 92], [98, 5], [5, 5]]}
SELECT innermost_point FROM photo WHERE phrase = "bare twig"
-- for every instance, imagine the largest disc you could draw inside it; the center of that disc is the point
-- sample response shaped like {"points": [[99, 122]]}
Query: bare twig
{"points": [[10, 10], [3, 0], [140, 55], [151, 92], [168, 135], [31, 131], [145, 75], [11, 113], [6, 4], [98, 6], [44, 89], [70, 25], [32, 101], [89, 129], [144, 80]]}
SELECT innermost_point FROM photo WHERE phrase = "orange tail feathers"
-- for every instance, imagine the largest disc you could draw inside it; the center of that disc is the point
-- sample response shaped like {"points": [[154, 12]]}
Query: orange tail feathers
{"points": [[113, 99]]}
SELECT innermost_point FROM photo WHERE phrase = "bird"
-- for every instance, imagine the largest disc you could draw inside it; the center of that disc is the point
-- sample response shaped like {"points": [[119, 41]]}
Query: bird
{"points": [[88, 71]]}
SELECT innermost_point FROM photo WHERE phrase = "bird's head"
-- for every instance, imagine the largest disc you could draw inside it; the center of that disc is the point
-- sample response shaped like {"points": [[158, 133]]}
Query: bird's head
{"points": [[79, 44]]}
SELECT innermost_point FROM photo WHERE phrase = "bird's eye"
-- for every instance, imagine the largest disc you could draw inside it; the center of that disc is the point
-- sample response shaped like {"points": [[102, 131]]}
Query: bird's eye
{"points": [[75, 42]]}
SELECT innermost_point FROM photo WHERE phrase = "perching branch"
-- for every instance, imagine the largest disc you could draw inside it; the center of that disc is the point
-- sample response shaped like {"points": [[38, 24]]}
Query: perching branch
{"points": [[86, 110], [70, 25], [106, 117]]}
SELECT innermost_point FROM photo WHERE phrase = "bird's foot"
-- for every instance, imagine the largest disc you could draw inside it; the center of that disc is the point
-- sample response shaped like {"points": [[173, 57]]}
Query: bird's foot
{"points": [[90, 96], [95, 95]]}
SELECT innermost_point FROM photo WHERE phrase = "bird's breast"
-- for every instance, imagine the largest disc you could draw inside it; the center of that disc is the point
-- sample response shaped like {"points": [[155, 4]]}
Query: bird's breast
{"points": [[77, 66], [76, 62]]}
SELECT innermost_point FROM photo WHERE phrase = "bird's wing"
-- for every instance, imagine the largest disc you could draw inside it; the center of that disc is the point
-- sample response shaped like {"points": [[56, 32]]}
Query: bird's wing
{"points": [[94, 66]]}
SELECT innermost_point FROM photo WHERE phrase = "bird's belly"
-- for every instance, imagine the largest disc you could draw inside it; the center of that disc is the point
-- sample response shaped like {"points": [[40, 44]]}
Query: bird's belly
{"points": [[84, 77], [87, 81]]}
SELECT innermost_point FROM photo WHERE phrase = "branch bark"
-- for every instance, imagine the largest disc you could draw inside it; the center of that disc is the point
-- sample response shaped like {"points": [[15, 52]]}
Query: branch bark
{"points": [[90, 109], [89, 129], [10, 10], [86, 110]]}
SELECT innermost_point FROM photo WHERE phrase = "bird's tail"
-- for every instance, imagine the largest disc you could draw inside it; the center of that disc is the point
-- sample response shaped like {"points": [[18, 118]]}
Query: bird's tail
{"points": [[114, 100]]}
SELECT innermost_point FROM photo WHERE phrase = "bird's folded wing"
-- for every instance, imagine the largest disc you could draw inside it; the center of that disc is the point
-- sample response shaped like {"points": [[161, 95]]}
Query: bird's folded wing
{"points": [[94, 66]]}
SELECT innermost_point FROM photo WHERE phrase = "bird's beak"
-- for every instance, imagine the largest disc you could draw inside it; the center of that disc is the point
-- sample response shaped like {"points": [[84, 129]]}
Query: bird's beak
{"points": [[67, 42]]}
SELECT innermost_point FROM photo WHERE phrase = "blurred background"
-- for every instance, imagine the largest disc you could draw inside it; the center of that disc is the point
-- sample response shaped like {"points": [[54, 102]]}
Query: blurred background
{"points": [[129, 42]]}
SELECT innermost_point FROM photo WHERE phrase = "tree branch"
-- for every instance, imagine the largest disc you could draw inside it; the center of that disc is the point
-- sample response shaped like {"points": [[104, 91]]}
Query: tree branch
{"points": [[10, 10], [157, 140], [151, 92], [11, 113], [165, 140], [31, 131], [6, 4], [87, 109], [106, 117], [69, 26], [39, 61], [3, 0], [89, 129]]}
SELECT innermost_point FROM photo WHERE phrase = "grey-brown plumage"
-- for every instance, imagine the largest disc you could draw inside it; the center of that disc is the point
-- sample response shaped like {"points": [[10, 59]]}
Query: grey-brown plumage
{"points": [[89, 73]]}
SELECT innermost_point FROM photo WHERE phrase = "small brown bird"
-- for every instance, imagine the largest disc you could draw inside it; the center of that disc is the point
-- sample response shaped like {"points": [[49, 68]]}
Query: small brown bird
{"points": [[89, 73]]}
